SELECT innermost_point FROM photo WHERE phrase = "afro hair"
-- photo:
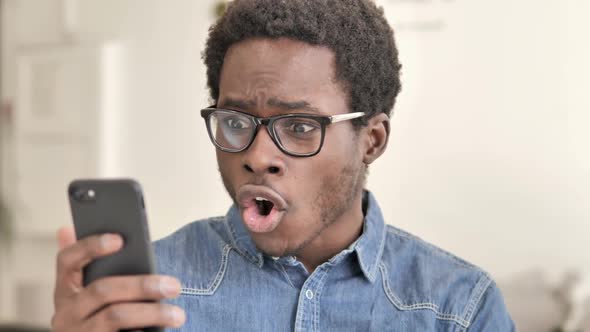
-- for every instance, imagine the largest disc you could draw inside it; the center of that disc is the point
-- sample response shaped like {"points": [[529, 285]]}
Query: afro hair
{"points": [[366, 57]]}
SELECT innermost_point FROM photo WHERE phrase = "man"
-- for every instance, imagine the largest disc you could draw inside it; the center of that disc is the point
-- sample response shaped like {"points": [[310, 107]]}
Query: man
{"points": [[302, 94]]}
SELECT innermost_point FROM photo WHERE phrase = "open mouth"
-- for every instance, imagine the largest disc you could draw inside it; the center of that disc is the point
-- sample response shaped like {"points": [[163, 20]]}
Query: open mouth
{"points": [[262, 208]]}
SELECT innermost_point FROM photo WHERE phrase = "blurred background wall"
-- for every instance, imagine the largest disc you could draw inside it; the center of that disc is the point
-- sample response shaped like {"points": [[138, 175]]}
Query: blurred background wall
{"points": [[489, 156]]}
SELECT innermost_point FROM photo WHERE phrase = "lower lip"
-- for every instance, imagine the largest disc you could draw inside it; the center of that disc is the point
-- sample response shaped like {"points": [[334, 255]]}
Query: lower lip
{"points": [[258, 223]]}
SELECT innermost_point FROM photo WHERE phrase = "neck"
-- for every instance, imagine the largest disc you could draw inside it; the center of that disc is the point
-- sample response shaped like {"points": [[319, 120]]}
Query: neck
{"points": [[337, 236]]}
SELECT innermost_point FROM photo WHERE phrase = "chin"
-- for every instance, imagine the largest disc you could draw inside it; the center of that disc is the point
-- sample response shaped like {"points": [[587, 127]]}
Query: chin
{"points": [[279, 243], [270, 245], [272, 251]]}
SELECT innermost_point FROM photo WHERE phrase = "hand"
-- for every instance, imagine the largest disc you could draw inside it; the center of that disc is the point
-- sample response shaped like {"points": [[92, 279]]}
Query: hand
{"points": [[112, 303]]}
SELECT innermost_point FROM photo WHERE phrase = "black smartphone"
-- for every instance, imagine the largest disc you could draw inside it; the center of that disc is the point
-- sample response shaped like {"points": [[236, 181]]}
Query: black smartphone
{"points": [[113, 206]]}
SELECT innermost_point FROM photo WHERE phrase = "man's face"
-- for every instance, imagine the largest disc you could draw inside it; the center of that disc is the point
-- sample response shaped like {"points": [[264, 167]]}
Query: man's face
{"points": [[309, 196]]}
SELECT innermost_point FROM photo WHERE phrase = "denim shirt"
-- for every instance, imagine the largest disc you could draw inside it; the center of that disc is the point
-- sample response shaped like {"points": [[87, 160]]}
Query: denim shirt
{"points": [[387, 280]]}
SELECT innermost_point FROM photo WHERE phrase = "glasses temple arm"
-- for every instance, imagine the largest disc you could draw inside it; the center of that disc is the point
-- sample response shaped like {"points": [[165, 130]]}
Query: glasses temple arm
{"points": [[345, 117]]}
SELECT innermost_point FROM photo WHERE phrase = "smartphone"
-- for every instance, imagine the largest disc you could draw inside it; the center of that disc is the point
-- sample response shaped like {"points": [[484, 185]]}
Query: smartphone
{"points": [[113, 206]]}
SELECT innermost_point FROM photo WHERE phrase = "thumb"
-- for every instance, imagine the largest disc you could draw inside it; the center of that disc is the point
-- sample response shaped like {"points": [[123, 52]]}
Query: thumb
{"points": [[66, 236]]}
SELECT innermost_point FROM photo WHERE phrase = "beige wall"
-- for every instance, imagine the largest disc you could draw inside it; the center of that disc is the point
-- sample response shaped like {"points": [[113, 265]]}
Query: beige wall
{"points": [[490, 154]]}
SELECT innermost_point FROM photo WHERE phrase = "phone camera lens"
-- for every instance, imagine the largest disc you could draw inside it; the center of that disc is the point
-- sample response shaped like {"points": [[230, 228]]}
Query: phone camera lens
{"points": [[84, 195]]}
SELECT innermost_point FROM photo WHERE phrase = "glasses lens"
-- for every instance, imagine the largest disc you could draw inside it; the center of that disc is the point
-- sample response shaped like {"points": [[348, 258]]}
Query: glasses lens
{"points": [[231, 131], [299, 135]]}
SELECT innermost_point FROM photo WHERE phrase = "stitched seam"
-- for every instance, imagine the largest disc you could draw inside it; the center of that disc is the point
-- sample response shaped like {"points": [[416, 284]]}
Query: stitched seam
{"points": [[298, 317], [231, 233], [218, 278], [482, 285], [233, 238], [430, 246], [317, 301], [373, 273], [416, 306], [217, 219], [285, 274]]}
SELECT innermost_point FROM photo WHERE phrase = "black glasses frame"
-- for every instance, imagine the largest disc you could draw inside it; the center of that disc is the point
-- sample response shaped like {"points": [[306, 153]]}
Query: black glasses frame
{"points": [[268, 122]]}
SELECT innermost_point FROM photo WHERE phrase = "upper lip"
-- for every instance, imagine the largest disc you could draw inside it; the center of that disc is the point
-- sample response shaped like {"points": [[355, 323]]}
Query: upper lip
{"points": [[247, 193]]}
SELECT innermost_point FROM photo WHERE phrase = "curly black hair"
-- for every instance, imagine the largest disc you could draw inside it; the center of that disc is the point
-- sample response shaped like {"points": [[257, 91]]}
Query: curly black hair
{"points": [[366, 56]]}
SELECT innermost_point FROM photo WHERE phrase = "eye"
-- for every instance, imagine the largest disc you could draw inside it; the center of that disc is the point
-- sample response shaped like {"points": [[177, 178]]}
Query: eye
{"points": [[301, 127], [237, 123]]}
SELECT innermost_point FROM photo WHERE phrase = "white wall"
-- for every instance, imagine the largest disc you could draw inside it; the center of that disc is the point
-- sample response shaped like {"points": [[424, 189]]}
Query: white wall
{"points": [[163, 142], [490, 154]]}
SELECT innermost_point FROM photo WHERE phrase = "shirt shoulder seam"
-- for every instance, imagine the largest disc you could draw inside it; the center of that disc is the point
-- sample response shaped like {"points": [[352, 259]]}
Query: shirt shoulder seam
{"points": [[417, 306], [482, 285], [432, 248]]}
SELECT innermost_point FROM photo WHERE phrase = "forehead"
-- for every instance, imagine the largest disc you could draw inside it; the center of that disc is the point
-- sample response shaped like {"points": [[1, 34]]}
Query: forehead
{"points": [[260, 69]]}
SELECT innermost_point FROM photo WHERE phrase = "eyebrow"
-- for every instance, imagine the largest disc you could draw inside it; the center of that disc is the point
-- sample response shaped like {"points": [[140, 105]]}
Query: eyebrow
{"points": [[292, 105], [272, 102], [237, 103]]}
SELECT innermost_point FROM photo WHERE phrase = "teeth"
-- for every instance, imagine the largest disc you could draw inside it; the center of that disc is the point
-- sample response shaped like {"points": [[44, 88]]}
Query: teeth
{"points": [[260, 199]]}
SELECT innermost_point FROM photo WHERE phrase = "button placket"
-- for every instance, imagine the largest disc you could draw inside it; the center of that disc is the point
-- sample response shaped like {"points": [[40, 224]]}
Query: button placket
{"points": [[306, 316]]}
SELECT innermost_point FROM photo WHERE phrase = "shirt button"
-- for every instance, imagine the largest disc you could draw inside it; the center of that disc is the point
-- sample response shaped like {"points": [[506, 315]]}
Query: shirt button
{"points": [[309, 294]]}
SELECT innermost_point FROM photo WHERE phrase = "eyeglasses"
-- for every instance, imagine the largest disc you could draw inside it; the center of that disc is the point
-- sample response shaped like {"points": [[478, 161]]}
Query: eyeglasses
{"points": [[298, 135]]}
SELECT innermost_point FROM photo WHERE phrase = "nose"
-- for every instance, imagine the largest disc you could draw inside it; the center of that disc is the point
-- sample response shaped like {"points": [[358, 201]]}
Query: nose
{"points": [[263, 156]]}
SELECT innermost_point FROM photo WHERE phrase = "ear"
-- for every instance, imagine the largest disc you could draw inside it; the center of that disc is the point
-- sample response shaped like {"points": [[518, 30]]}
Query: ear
{"points": [[376, 136]]}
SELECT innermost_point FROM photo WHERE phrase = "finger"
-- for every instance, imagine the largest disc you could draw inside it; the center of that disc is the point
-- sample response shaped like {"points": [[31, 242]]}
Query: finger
{"points": [[66, 236], [135, 315], [124, 289], [72, 259]]}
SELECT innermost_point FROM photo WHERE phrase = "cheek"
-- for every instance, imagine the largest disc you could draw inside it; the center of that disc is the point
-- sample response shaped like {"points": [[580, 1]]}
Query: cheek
{"points": [[322, 173], [221, 164], [341, 146], [227, 164]]}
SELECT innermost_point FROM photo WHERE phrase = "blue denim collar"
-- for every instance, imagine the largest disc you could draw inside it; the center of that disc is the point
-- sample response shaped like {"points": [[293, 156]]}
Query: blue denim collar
{"points": [[240, 237], [368, 247]]}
